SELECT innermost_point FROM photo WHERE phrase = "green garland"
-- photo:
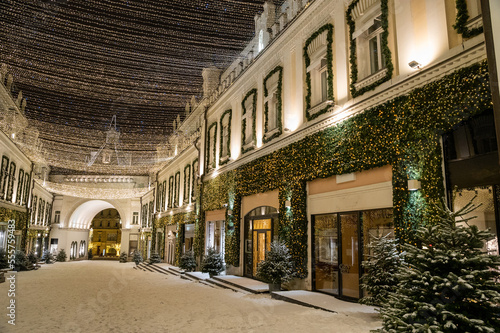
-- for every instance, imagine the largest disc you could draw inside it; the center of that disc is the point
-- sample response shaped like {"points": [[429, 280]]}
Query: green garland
{"points": [[244, 122], [229, 113], [187, 182], [384, 44], [329, 68], [209, 141], [461, 21], [279, 104], [403, 132], [21, 219]]}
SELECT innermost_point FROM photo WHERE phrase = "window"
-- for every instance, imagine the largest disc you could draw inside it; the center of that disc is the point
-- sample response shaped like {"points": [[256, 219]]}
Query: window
{"points": [[377, 59], [225, 137], [27, 185], [273, 104], [211, 153], [33, 210], [57, 217], [248, 121], [135, 218], [195, 177], [370, 56], [187, 184], [20, 183], [12, 178], [151, 213], [171, 192], [4, 175], [177, 188], [318, 54]]}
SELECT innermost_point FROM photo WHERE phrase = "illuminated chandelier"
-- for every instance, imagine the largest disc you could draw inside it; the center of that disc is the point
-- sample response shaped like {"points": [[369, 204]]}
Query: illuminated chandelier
{"points": [[112, 144]]}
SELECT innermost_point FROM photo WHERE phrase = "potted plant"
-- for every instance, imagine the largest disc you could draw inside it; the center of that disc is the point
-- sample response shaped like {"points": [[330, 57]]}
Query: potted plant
{"points": [[21, 261], [138, 257], [61, 256], [155, 258], [212, 263], [277, 268], [123, 257], [187, 262], [47, 257]]}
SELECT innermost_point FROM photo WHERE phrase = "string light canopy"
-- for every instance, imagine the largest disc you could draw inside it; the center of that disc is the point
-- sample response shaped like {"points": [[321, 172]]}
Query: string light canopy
{"points": [[79, 62]]}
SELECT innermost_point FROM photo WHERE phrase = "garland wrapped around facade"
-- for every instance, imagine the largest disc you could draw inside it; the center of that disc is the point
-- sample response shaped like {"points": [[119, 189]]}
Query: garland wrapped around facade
{"points": [[461, 21], [403, 132], [384, 44], [244, 122], [329, 68], [279, 104], [179, 219], [228, 113], [187, 183], [21, 219]]}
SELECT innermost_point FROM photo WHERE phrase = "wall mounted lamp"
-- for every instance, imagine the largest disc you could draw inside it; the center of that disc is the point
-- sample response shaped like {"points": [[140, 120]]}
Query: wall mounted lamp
{"points": [[230, 212], [288, 204], [414, 184], [414, 64]]}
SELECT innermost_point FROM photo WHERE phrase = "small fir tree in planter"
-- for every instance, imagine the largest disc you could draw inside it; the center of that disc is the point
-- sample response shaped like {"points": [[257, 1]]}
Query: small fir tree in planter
{"points": [[20, 261], [32, 259], [380, 270], [187, 262], [61, 256], [4, 263], [212, 263], [123, 257], [277, 268], [138, 257], [47, 257], [449, 283], [155, 258]]}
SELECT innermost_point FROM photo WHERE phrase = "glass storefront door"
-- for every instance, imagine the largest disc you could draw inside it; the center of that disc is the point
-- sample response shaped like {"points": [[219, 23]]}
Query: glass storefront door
{"points": [[338, 245]]}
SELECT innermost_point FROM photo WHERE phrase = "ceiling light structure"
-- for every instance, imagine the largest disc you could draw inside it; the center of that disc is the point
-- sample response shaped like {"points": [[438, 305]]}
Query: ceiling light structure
{"points": [[79, 62]]}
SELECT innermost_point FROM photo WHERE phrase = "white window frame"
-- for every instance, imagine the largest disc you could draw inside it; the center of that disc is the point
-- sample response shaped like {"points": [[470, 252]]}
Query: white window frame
{"points": [[135, 218], [316, 69], [225, 136], [247, 117]]}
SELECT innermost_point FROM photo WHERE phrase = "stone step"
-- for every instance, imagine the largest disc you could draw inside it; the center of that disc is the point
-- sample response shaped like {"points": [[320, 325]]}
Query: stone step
{"points": [[226, 286]]}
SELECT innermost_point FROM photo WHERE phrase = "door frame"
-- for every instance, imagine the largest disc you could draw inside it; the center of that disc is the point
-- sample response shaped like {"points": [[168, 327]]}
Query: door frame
{"points": [[274, 219], [340, 249]]}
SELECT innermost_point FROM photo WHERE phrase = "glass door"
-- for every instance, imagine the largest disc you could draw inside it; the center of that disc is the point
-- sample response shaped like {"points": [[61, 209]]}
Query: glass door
{"points": [[326, 254], [261, 241], [349, 267]]}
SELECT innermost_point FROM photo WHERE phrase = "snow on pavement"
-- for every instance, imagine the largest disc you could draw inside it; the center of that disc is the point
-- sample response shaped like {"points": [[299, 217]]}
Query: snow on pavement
{"points": [[108, 296]]}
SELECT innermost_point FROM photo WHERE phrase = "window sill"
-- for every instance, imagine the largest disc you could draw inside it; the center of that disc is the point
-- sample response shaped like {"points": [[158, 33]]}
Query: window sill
{"points": [[475, 22], [248, 146], [371, 79], [224, 159], [319, 108], [271, 133]]}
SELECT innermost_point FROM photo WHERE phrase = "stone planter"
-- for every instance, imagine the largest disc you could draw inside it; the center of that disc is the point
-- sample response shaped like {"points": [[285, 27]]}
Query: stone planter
{"points": [[274, 287]]}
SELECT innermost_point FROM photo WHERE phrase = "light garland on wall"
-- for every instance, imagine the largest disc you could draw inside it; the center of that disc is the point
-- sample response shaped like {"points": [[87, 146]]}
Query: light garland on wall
{"points": [[78, 63]]}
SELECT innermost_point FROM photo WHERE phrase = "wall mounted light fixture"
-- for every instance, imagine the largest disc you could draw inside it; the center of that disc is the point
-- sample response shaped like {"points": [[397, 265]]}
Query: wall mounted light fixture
{"points": [[230, 212], [414, 64], [288, 204], [414, 184]]}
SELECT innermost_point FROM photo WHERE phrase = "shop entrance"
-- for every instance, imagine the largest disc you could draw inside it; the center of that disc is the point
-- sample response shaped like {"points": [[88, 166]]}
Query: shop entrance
{"points": [[259, 233], [338, 248]]}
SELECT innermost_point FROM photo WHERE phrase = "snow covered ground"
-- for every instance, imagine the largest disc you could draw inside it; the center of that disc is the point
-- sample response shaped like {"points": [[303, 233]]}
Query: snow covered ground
{"points": [[106, 296]]}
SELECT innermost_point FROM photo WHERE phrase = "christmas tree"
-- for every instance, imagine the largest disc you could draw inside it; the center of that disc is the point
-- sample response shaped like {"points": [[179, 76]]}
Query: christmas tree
{"points": [[449, 284], [380, 269], [61, 256], [138, 257], [155, 258], [47, 257], [123, 257], [187, 261], [277, 268], [212, 263]]}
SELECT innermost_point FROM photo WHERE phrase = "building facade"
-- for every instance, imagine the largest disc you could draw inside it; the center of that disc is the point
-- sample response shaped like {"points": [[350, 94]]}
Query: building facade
{"points": [[339, 120]]}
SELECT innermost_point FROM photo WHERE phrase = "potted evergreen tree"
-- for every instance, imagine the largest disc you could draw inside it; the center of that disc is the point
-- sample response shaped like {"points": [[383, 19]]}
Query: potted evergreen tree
{"points": [[187, 262], [277, 268], [155, 258], [20, 261], [212, 263], [380, 270], [138, 257], [123, 257], [4, 263], [450, 283], [47, 257], [61, 256]]}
